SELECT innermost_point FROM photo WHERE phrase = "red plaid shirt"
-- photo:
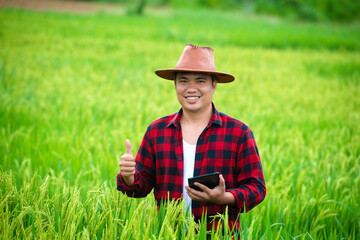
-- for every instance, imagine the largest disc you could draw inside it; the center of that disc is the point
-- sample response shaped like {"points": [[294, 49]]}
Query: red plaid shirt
{"points": [[226, 145]]}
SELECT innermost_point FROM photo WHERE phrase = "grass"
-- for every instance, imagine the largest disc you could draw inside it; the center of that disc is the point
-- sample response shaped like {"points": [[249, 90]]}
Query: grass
{"points": [[74, 87]]}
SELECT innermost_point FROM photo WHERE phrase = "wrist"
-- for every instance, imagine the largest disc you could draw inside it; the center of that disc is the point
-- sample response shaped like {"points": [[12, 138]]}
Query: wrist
{"points": [[228, 199], [129, 180]]}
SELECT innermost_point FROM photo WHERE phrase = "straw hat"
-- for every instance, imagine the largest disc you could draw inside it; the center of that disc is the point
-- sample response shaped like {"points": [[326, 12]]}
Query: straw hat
{"points": [[196, 59]]}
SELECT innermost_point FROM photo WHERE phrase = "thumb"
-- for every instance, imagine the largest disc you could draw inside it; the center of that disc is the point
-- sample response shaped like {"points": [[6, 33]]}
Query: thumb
{"points": [[128, 147], [222, 181]]}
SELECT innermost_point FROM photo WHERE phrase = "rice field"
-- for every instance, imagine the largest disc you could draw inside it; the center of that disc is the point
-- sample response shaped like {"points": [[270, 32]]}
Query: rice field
{"points": [[74, 87]]}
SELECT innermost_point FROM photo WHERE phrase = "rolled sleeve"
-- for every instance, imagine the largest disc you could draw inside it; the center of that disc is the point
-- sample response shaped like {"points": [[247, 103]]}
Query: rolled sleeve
{"points": [[250, 190]]}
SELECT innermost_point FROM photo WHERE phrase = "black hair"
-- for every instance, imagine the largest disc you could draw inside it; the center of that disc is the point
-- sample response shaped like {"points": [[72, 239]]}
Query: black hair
{"points": [[213, 78]]}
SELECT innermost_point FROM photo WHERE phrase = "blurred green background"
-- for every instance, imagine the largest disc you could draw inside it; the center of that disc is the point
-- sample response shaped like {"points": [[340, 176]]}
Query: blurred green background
{"points": [[74, 86], [314, 10]]}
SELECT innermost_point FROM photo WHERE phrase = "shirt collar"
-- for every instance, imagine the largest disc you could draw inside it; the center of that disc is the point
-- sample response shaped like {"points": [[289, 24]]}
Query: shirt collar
{"points": [[215, 118]]}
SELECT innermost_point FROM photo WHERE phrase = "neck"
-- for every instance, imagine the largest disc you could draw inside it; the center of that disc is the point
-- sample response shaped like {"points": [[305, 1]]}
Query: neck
{"points": [[197, 118]]}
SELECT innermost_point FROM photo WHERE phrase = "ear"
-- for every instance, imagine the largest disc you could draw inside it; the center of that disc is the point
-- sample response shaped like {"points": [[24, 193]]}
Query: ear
{"points": [[214, 84]]}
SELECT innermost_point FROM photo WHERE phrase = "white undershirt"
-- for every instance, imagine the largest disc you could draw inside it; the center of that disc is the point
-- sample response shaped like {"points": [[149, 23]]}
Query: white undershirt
{"points": [[189, 161]]}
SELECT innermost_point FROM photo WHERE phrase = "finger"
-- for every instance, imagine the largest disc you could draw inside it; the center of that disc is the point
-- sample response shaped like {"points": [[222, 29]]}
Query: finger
{"points": [[126, 167], [191, 196], [195, 195], [127, 164], [202, 187], [190, 193], [127, 159], [128, 172], [123, 165], [128, 146], [189, 189]]}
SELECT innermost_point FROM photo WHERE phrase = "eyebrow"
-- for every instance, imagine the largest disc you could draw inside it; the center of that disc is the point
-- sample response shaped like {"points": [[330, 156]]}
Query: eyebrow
{"points": [[183, 77]]}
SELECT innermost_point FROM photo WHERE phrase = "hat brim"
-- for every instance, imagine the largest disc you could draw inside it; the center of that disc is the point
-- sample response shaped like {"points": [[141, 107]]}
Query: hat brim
{"points": [[169, 74]]}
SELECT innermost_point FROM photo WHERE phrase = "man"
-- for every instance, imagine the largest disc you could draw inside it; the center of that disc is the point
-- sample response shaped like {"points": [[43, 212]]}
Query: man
{"points": [[195, 141]]}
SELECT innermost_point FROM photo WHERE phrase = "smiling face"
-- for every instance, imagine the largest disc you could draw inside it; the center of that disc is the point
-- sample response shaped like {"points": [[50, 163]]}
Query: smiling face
{"points": [[195, 91]]}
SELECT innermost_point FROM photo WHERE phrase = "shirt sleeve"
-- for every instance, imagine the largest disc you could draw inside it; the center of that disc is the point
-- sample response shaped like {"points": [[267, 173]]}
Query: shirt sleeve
{"points": [[144, 178], [250, 187]]}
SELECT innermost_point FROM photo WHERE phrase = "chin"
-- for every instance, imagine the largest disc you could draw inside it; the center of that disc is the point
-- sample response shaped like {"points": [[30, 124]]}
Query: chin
{"points": [[191, 108]]}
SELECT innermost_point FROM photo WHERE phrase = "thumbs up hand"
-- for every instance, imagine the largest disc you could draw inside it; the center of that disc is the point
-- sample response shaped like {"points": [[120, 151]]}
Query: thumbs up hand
{"points": [[127, 164]]}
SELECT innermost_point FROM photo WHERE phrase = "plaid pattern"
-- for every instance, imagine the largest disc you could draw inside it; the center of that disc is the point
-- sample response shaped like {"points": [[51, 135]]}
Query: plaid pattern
{"points": [[226, 145]]}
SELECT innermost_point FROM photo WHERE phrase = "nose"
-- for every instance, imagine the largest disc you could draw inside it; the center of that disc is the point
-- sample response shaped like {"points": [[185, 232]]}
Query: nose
{"points": [[192, 87]]}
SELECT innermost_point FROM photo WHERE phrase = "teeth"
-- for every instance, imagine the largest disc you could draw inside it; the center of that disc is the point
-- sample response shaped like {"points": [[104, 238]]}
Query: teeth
{"points": [[191, 98]]}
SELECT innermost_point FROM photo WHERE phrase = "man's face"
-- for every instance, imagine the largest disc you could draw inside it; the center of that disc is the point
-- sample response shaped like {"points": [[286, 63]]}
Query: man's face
{"points": [[194, 91]]}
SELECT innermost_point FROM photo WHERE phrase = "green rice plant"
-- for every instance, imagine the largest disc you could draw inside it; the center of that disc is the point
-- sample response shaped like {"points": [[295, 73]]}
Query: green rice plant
{"points": [[32, 212], [74, 87]]}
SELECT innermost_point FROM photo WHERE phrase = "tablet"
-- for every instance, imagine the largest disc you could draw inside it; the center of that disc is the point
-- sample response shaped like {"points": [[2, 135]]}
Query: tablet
{"points": [[210, 180]]}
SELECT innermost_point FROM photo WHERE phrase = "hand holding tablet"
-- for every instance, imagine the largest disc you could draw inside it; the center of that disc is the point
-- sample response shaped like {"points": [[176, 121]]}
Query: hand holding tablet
{"points": [[210, 180]]}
